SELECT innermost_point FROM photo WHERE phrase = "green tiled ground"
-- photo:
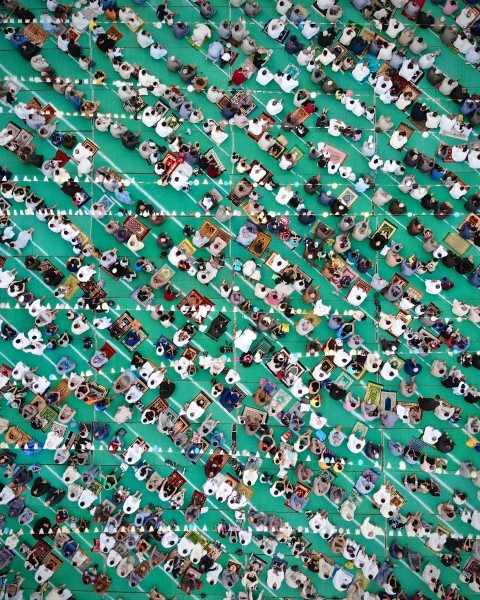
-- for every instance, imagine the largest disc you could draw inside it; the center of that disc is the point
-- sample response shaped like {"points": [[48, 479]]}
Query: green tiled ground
{"points": [[183, 209]]}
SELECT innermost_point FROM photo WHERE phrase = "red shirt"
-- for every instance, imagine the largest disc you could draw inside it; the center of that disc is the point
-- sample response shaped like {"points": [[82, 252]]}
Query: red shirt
{"points": [[212, 171], [238, 77], [169, 295]]}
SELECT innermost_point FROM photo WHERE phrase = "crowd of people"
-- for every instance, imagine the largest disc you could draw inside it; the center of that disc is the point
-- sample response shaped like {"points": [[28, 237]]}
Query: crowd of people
{"points": [[321, 357]]}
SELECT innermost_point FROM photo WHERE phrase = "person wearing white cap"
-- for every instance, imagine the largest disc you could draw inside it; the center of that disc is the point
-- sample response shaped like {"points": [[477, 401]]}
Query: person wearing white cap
{"points": [[368, 147]]}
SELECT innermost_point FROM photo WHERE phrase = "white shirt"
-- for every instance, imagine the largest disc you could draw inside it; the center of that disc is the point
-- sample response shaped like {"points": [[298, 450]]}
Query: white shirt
{"points": [[145, 79], [355, 444], [437, 541], [457, 191], [394, 28], [85, 273], [432, 121], [22, 240], [358, 110], [389, 166], [341, 580], [285, 163], [444, 411], [474, 159], [382, 85], [310, 29], [347, 36], [427, 60], [288, 83], [245, 339], [334, 127], [304, 57], [397, 141], [255, 127], [447, 123], [472, 56], [433, 286], [131, 504], [6, 495], [6, 278], [150, 117], [430, 435], [275, 28], [274, 107], [459, 154], [21, 110], [264, 76], [125, 70], [163, 129], [157, 51], [62, 44], [194, 411], [144, 39], [123, 414], [403, 102], [360, 71], [284, 195], [463, 45], [79, 21], [419, 192], [43, 574], [386, 53], [5, 138], [257, 173], [465, 17], [356, 296], [218, 136]]}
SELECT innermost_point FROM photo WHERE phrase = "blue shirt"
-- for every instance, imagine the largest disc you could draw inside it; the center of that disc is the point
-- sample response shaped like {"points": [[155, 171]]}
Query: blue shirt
{"points": [[21, 39], [74, 100], [123, 196], [437, 174], [358, 45], [361, 186], [467, 109]]}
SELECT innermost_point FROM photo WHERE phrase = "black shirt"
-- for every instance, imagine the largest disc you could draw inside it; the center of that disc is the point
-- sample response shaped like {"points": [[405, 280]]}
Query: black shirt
{"points": [[325, 38], [424, 20], [427, 404]]}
